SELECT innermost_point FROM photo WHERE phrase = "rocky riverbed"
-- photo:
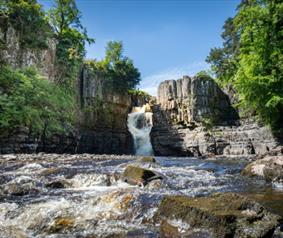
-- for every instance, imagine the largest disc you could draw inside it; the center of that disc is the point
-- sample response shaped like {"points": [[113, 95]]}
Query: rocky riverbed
{"points": [[52, 195]]}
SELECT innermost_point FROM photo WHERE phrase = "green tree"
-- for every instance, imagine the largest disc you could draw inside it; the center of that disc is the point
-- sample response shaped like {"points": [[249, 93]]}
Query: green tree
{"points": [[259, 77], [29, 100], [251, 58], [72, 37], [28, 19], [123, 73], [224, 59]]}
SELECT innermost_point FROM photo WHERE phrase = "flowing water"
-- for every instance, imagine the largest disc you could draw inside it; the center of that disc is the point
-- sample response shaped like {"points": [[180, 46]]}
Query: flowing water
{"points": [[82, 196], [140, 125]]}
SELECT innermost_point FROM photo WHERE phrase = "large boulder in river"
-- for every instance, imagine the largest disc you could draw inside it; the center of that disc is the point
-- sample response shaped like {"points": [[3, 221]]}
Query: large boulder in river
{"points": [[220, 215], [270, 168], [139, 176]]}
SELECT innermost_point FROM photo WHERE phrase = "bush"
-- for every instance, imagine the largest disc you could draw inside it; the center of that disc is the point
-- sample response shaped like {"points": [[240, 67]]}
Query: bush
{"points": [[29, 100]]}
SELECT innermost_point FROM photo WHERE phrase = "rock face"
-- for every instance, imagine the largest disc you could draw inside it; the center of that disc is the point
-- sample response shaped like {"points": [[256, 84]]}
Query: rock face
{"points": [[220, 215], [194, 117], [17, 57], [103, 118], [193, 100]]}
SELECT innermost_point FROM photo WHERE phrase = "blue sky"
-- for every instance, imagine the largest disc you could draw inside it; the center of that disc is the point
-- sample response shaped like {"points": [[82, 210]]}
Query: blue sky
{"points": [[165, 38]]}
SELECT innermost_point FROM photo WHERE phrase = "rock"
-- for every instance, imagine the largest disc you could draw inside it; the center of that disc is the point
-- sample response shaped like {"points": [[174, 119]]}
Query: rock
{"points": [[139, 176], [220, 215], [17, 189], [51, 171], [270, 168], [58, 184], [194, 117], [61, 224], [148, 159]]}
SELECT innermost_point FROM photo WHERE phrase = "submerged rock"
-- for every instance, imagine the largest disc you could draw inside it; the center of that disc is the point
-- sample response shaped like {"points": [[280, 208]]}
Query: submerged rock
{"points": [[270, 168], [148, 159], [58, 184], [139, 176], [220, 215]]}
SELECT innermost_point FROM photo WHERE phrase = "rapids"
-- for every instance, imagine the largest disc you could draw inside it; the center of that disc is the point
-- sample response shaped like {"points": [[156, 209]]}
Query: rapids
{"points": [[81, 195]]}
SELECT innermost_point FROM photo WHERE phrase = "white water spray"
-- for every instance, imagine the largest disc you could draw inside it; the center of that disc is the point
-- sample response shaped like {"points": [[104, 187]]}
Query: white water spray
{"points": [[139, 125]]}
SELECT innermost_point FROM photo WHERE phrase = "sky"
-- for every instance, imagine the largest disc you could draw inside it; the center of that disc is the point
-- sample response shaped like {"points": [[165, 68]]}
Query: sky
{"points": [[166, 39]]}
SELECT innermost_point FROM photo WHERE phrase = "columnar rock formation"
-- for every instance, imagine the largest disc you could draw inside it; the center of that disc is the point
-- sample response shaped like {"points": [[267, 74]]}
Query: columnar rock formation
{"points": [[18, 57], [194, 117], [103, 118], [193, 100]]}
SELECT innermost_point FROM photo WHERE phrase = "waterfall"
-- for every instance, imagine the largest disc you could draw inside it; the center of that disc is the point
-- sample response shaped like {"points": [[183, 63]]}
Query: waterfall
{"points": [[139, 125]]}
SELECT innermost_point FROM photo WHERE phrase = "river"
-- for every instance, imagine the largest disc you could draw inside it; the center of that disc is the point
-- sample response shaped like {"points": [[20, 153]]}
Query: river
{"points": [[81, 195]]}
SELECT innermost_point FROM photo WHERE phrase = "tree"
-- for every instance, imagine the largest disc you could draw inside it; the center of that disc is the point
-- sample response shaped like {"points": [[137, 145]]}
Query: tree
{"points": [[251, 58], [123, 73], [28, 19], [224, 59], [259, 77], [72, 37]]}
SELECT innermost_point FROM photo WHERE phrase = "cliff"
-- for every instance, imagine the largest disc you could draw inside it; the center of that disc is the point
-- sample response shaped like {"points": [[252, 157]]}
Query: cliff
{"points": [[101, 116], [19, 57], [194, 117]]}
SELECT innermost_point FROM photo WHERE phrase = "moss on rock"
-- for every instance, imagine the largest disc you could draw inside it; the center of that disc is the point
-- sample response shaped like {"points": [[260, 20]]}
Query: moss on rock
{"points": [[226, 215]]}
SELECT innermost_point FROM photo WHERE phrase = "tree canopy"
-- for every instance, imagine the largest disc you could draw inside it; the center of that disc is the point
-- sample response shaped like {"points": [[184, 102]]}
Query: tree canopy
{"points": [[251, 58]]}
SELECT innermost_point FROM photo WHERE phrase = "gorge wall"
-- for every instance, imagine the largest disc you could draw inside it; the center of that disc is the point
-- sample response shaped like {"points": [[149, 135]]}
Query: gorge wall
{"points": [[18, 57], [194, 117], [102, 113]]}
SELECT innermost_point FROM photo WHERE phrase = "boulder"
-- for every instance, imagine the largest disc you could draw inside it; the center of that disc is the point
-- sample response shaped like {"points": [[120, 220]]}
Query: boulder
{"points": [[148, 159], [139, 176], [220, 215], [57, 184], [270, 168]]}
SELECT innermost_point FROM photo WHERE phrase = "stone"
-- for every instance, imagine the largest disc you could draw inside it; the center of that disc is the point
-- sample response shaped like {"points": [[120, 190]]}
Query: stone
{"points": [[139, 176], [194, 117], [61, 224], [270, 168], [57, 184], [148, 159], [220, 215]]}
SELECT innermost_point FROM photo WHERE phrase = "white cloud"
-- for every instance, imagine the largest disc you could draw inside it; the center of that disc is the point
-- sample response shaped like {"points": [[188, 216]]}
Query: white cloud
{"points": [[150, 83]]}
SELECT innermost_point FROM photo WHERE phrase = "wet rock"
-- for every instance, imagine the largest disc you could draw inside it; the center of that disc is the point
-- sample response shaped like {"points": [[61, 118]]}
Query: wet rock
{"points": [[148, 159], [167, 230], [20, 189], [139, 176], [51, 171], [220, 215], [57, 184], [270, 168], [62, 224]]}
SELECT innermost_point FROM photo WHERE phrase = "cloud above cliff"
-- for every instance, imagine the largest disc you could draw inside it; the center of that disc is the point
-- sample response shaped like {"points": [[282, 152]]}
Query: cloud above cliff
{"points": [[150, 83]]}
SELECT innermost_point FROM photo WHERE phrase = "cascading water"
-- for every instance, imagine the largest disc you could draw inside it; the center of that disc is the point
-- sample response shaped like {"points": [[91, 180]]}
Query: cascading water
{"points": [[139, 125]]}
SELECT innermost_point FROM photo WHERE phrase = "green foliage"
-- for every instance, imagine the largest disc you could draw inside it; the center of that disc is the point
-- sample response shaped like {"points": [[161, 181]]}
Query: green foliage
{"points": [[224, 60], [28, 18], [254, 62], [137, 92], [64, 18], [28, 100], [204, 75], [117, 69]]}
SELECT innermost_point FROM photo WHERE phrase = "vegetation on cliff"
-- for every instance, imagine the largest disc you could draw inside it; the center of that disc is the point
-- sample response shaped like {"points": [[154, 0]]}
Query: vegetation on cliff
{"points": [[27, 99], [251, 58], [116, 68]]}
